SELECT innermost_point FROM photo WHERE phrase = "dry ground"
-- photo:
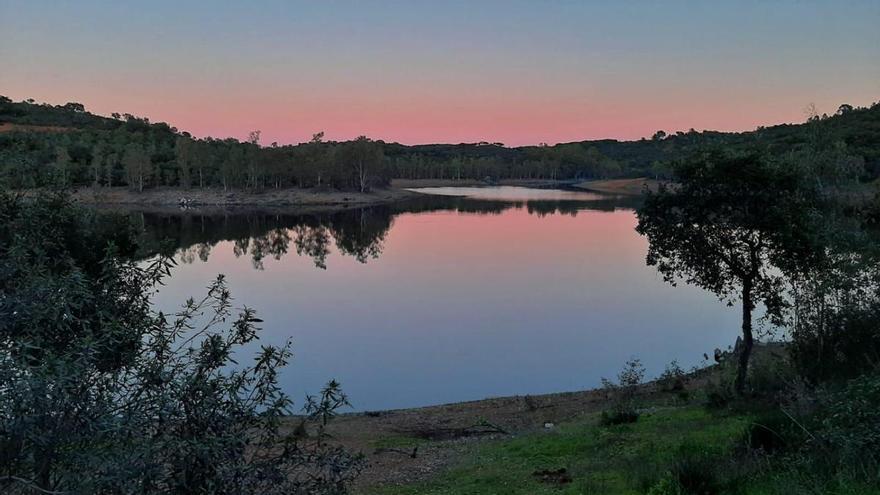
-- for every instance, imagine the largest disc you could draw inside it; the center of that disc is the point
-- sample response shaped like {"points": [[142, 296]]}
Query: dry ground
{"points": [[628, 187], [411, 183], [409, 445], [171, 196]]}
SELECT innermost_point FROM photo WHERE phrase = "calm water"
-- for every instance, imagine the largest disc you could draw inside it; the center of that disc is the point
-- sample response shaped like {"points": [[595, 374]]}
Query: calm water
{"points": [[503, 291]]}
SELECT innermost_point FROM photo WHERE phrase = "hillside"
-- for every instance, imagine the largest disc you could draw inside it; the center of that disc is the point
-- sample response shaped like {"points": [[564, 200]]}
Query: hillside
{"points": [[42, 144]]}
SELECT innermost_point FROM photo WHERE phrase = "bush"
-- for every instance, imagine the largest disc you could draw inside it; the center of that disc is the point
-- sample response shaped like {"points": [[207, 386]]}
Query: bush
{"points": [[694, 471], [610, 418], [771, 433], [623, 394], [673, 378], [770, 376], [850, 419], [718, 396], [173, 413], [846, 345]]}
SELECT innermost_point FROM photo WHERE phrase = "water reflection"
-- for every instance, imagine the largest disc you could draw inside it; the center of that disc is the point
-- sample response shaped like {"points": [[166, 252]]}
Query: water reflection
{"points": [[468, 298], [359, 233]]}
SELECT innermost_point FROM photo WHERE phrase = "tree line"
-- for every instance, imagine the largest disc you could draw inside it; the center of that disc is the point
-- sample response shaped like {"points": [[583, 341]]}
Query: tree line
{"points": [[65, 145]]}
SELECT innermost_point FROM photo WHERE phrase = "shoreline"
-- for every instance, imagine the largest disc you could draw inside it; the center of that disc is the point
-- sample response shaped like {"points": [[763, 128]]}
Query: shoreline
{"points": [[200, 199], [620, 187], [403, 446], [533, 183]]}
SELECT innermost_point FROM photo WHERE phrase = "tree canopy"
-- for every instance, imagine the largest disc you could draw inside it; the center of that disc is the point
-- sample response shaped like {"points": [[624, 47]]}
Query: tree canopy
{"points": [[735, 225]]}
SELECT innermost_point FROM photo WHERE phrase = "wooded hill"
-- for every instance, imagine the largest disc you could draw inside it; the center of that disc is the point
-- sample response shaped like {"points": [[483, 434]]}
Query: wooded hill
{"points": [[43, 144]]}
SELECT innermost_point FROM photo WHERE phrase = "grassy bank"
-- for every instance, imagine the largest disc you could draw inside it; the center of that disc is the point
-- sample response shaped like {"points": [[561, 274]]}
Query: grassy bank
{"points": [[620, 459], [583, 457], [691, 435]]}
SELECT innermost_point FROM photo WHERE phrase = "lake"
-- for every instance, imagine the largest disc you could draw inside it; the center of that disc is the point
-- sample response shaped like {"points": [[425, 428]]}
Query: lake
{"points": [[462, 294]]}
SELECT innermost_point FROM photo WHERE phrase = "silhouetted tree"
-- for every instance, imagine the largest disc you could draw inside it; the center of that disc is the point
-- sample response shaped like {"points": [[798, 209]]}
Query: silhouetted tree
{"points": [[735, 225]]}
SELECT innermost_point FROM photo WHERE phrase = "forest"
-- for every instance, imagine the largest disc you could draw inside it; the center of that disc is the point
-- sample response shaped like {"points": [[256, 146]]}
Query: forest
{"points": [[43, 145]]}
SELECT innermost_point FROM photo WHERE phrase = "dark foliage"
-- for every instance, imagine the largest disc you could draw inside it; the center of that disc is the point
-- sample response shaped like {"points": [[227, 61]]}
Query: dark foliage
{"points": [[737, 225], [66, 144], [101, 394]]}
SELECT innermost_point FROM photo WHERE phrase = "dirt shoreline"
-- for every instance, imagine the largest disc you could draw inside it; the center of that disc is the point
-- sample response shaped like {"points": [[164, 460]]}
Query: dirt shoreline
{"points": [[403, 446], [625, 187], [172, 197], [440, 434], [538, 183]]}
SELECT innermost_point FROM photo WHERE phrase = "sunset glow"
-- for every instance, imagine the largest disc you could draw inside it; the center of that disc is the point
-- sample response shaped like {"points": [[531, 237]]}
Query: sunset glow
{"points": [[419, 72]]}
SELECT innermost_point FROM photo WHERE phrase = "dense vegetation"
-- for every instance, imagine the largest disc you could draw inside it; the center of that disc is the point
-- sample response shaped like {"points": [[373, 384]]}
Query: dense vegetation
{"points": [[99, 393], [43, 145]]}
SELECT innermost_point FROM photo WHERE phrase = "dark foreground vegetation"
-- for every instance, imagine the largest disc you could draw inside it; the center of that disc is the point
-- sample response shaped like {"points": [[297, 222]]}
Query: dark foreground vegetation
{"points": [[45, 145], [99, 393]]}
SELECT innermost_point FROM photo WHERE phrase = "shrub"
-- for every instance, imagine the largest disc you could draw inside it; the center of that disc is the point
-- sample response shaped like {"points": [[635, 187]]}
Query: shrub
{"points": [[174, 413], [718, 396], [673, 378], [771, 433], [623, 394], [850, 419], [695, 474], [610, 418], [694, 471], [770, 376], [846, 345]]}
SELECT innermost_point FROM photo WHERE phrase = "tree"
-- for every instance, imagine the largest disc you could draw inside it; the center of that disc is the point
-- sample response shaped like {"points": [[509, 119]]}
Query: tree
{"points": [[659, 136], [183, 150], [138, 166], [75, 107], [362, 156], [97, 164], [735, 225], [845, 108], [62, 165]]}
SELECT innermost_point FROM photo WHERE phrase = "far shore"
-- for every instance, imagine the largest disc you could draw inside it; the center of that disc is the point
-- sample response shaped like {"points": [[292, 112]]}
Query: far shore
{"points": [[417, 183], [624, 187], [618, 187], [168, 197]]}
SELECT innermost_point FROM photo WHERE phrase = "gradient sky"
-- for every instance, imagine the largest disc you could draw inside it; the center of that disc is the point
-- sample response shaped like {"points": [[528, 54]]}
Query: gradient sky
{"points": [[452, 71]]}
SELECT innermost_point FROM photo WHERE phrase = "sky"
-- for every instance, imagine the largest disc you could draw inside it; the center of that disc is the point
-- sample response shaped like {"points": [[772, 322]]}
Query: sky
{"points": [[418, 71]]}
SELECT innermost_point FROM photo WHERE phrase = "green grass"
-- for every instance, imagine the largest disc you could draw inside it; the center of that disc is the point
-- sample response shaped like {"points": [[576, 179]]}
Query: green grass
{"points": [[397, 442], [624, 459]]}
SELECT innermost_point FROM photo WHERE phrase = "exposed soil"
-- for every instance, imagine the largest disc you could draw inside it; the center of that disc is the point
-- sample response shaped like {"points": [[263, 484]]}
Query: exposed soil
{"points": [[539, 183], [628, 187], [409, 445], [208, 198]]}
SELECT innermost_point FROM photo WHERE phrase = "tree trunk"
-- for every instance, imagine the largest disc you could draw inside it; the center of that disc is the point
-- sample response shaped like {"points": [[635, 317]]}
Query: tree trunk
{"points": [[748, 341]]}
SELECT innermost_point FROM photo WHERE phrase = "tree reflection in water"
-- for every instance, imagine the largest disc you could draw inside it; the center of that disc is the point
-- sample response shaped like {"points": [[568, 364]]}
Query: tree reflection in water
{"points": [[359, 233]]}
